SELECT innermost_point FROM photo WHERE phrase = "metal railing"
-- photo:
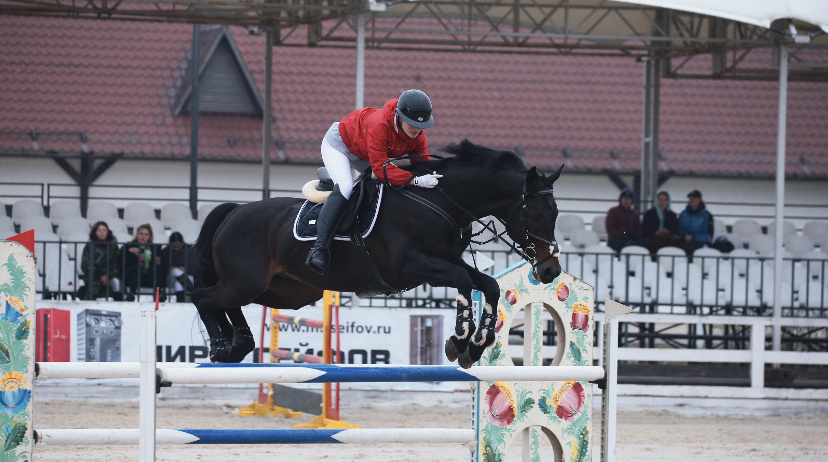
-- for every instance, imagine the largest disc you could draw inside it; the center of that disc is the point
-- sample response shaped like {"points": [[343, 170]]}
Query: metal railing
{"points": [[587, 208], [668, 285]]}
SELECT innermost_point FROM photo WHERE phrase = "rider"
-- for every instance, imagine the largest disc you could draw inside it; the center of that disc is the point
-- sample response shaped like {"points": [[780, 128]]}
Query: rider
{"points": [[366, 137]]}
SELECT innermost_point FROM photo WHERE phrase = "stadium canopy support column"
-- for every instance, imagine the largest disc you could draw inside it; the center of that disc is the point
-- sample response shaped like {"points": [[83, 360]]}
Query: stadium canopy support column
{"points": [[266, 120], [360, 61], [649, 132], [194, 122], [780, 195]]}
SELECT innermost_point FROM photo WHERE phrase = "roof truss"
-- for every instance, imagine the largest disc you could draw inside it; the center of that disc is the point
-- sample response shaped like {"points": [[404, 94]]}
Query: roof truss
{"points": [[587, 27]]}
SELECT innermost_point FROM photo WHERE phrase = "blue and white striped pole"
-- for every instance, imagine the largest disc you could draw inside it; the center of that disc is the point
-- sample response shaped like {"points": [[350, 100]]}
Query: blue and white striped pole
{"points": [[208, 373], [91, 437], [330, 373]]}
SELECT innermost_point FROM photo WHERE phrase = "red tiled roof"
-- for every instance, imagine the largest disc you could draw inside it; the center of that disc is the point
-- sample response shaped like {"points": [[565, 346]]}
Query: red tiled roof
{"points": [[117, 82]]}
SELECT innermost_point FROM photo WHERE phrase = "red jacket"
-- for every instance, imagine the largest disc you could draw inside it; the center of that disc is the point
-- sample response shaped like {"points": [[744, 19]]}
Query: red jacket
{"points": [[621, 221], [372, 135]]}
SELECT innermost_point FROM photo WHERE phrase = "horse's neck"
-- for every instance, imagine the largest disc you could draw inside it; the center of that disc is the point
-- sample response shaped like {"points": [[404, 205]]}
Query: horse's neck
{"points": [[484, 197]]}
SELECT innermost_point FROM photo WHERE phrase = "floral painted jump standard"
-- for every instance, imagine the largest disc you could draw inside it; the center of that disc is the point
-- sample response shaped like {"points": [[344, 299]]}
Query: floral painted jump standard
{"points": [[559, 409], [17, 316]]}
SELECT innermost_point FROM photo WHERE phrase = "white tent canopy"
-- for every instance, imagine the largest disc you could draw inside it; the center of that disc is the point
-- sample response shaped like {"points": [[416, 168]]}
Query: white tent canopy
{"points": [[759, 13]]}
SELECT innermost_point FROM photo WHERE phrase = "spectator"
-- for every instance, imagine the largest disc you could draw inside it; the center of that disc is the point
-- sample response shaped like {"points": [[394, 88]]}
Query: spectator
{"points": [[173, 259], [99, 264], [623, 223], [142, 264], [695, 226], [660, 224]]}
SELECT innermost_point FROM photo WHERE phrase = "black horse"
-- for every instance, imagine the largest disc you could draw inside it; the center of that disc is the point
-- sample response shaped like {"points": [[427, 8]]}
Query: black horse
{"points": [[248, 254]]}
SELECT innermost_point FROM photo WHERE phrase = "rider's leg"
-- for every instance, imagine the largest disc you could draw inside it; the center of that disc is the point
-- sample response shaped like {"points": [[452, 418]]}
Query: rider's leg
{"points": [[339, 168]]}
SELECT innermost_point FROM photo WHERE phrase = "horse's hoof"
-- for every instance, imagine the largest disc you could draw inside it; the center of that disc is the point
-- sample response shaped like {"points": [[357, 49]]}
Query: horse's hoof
{"points": [[451, 351], [454, 348], [243, 344], [465, 360], [220, 351], [474, 353]]}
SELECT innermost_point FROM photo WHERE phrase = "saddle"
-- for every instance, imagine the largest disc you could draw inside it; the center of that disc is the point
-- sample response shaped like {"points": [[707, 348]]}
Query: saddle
{"points": [[357, 223], [359, 217]]}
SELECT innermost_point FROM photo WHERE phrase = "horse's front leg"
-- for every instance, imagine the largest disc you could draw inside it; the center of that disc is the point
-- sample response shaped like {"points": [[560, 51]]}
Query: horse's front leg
{"points": [[485, 336], [440, 273]]}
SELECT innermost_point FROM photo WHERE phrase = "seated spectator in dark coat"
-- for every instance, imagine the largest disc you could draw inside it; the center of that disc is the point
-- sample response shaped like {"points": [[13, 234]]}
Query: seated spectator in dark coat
{"points": [[695, 224], [660, 224], [100, 264], [142, 264], [174, 260], [623, 223]]}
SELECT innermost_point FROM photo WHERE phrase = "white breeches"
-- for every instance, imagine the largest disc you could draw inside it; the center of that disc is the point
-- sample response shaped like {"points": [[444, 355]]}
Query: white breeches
{"points": [[339, 161], [173, 282]]}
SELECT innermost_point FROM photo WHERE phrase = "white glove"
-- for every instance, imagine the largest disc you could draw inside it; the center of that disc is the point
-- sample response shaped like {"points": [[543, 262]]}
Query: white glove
{"points": [[427, 181]]}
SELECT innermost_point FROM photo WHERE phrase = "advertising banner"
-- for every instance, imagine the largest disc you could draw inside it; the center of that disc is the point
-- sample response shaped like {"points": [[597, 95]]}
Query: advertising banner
{"points": [[109, 332]]}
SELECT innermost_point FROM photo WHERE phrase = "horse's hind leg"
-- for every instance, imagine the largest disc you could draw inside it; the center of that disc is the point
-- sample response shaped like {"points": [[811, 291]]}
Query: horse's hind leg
{"points": [[242, 338], [218, 329], [215, 304]]}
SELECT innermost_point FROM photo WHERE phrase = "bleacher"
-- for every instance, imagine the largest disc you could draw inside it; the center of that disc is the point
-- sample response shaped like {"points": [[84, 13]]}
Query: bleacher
{"points": [[738, 282], [61, 232]]}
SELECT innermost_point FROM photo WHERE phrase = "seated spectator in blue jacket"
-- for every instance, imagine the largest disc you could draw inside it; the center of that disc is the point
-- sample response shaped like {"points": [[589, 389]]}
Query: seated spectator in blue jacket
{"points": [[623, 223], [660, 225], [695, 226]]}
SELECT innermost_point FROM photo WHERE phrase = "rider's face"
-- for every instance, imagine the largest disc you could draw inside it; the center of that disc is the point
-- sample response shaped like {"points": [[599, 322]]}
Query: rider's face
{"points": [[409, 130]]}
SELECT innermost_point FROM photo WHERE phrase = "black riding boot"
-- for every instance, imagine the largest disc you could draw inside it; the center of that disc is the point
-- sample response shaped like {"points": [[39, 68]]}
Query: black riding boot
{"points": [[329, 217]]}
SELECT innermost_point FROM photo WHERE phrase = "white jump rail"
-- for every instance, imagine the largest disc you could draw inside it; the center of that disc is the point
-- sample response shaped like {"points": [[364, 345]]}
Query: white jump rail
{"points": [[131, 436], [191, 373]]}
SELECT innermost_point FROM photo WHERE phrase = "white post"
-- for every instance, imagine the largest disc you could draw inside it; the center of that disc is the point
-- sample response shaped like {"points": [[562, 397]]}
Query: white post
{"points": [[757, 356], [532, 356], [146, 441], [609, 403]]}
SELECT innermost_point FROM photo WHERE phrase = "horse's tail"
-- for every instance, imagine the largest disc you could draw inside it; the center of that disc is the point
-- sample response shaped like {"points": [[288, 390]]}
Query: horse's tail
{"points": [[201, 254]]}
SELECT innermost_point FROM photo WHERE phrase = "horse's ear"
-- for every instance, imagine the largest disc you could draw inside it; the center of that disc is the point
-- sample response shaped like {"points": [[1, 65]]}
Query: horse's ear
{"points": [[533, 180], [554, 177]]}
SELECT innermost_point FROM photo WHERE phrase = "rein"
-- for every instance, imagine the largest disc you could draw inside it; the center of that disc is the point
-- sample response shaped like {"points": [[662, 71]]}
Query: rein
{"points": [[532, 259]]}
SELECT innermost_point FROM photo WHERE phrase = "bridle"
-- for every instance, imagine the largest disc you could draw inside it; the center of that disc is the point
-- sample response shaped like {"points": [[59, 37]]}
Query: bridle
{"points": [[554, 248], [529, 252]]}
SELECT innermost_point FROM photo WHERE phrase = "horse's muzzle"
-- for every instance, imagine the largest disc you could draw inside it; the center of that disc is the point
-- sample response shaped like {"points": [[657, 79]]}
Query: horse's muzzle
{"points": [[548, 273]]}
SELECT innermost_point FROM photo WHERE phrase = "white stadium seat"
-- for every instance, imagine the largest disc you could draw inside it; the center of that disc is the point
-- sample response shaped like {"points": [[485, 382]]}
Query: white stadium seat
{"points": [[26, 208], [175, 211], [137, 213], [101, 211], [745, 228], [61, 209]]}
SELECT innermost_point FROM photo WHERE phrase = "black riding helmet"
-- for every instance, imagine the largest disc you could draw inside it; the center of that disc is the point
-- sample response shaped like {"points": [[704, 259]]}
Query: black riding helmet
{"points": [[414, 107]]}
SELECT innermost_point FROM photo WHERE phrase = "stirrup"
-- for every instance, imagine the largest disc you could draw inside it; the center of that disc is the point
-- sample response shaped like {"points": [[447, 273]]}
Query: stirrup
{"points": [[321, 253]]}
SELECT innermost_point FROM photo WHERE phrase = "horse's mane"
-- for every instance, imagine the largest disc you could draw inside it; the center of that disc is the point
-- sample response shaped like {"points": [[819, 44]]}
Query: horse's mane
{"points": [[483, 157]]}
